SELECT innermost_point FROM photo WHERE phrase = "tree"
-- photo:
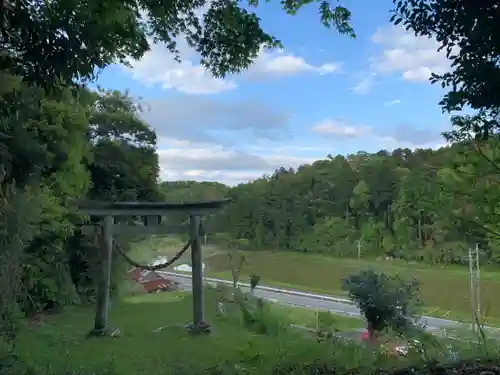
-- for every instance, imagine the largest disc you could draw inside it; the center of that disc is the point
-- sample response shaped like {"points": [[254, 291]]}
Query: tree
{"points": [[43, 136], [469, 32], [470, 35], [360, 198], [413, 205], [123, 167], [79, 38], [470, 191], [125, 162], [66, 145], [42, 150], [19, 215], [330, 236], [385, 301], [254, 281]]}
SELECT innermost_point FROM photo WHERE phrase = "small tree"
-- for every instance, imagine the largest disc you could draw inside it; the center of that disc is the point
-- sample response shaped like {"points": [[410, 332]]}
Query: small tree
{"points": [[254, 281], [385, 301], [235, 268]]}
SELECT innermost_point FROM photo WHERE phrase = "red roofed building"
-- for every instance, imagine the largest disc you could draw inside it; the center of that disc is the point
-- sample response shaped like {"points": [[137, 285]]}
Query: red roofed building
{"points": [[134, 274], [151, 281]]}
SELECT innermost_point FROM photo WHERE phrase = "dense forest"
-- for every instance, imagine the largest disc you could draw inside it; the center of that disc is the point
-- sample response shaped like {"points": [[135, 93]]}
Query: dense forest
{"points": [[95, 142], [427, 205]]}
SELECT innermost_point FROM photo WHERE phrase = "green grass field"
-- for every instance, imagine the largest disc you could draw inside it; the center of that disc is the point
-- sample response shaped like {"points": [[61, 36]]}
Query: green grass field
{"points": [[311, 319], [445, 290], [60, 344]]}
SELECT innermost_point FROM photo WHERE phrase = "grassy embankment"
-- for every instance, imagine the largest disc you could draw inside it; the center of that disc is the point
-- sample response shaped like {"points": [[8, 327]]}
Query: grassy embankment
{"points": [[445, 290], [59, 346]]}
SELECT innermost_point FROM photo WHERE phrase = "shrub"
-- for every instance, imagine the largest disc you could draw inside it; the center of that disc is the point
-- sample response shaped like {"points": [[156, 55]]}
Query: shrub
{"points": [[254, 313], [385, 301]]}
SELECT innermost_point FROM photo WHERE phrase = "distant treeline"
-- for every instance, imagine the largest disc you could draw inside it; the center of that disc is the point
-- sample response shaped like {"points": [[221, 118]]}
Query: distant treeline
{"points": [[425, 205]]}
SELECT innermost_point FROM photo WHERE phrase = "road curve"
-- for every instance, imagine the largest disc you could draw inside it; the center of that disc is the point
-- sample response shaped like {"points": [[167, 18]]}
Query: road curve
{"points": [[308, 300]]}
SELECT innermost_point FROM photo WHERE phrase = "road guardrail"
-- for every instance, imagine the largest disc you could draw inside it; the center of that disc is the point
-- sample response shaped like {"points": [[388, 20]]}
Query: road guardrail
{"points": [[267, 288]]}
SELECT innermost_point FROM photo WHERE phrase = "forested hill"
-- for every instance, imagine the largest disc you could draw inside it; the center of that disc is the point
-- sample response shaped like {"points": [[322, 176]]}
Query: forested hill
{"points": [[428, 205], [189, 191]]}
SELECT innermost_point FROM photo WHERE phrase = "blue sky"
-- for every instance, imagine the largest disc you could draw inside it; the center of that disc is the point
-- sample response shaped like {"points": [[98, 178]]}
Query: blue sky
{"points": [[323, 94]]}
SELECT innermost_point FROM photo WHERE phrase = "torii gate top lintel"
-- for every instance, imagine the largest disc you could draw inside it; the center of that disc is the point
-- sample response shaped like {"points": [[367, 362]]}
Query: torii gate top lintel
{"points": [[103, 208]]}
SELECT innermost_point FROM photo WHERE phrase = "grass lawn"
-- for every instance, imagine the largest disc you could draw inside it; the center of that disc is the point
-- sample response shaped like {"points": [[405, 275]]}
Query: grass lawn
{"points": [[59, 345], [445, 290], [314, 320]]}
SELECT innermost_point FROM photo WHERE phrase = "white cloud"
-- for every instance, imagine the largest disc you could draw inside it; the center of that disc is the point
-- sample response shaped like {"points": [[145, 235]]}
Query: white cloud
{"points": [[403, 136], [182, 159], [202, 119], [158, 66], [202, 138], [415, 58], [391, 143], [339, 127], [204, 162], [278, 63], [364, 85], [392, 102]]}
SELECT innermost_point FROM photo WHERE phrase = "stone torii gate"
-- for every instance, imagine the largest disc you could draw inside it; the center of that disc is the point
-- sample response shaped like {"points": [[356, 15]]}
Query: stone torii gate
{"points": [[152, 212]]}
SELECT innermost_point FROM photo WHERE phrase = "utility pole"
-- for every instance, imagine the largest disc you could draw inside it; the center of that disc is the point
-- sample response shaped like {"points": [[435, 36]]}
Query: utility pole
{"points": [[359, 249], [472, 291], [478, 283]]}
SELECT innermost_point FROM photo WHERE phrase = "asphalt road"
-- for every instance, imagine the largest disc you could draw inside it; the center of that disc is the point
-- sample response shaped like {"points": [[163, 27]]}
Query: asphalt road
{"points": [[313, 302]]}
